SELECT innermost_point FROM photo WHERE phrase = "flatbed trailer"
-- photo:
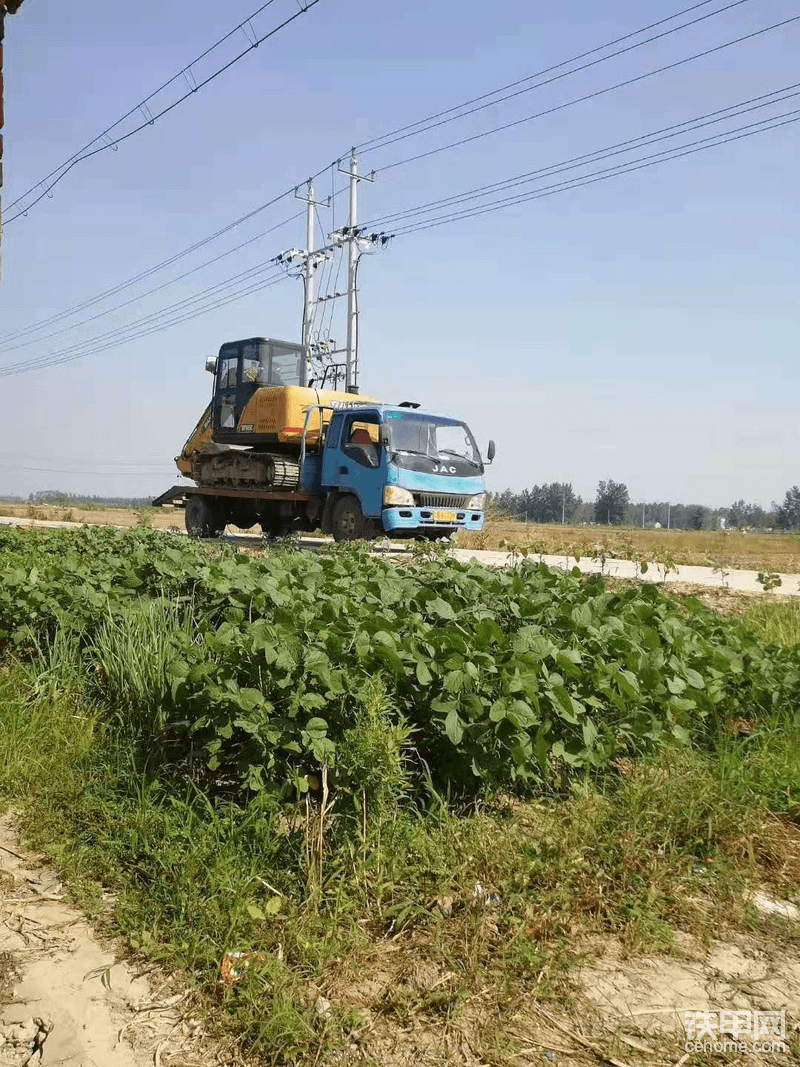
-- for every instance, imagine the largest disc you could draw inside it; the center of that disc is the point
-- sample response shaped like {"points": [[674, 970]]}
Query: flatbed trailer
{"points": [[178, 494]]}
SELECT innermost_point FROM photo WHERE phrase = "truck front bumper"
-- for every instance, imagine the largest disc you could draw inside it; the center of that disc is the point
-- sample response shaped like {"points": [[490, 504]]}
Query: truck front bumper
{"points": [[409, 518]]}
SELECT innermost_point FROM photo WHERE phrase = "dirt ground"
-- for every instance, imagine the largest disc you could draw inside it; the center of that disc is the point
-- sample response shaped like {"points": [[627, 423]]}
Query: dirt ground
{"points": [[67, 997], [159, 518], [616, 1010]]}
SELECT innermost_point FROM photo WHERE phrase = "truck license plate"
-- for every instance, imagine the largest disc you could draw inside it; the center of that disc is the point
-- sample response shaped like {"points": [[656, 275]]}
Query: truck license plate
{"points": [[444, 516]]}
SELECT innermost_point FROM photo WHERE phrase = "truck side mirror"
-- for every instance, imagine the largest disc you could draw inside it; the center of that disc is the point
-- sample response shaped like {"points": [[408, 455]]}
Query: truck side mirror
{"points": [[490, 452], [211, 364]]}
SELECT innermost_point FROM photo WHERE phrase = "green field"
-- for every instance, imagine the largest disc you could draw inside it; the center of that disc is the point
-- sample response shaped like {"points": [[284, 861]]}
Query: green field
{"points": [[347, 766]]}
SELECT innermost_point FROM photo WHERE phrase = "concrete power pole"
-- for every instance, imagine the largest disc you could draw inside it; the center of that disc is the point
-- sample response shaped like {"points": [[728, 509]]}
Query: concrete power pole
{"points": [[310, 261], [351, 381], [311, 258]]}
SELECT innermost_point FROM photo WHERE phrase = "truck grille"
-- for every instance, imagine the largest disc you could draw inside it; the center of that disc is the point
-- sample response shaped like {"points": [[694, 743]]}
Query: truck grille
{"points": [[441, 500]]}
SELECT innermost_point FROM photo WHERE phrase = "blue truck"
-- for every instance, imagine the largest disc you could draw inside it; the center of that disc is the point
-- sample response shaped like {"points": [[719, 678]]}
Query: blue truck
{"points": [[274, 450]]}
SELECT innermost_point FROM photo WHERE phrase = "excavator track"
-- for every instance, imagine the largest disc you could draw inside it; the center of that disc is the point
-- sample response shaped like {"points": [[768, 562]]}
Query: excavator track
{"points": [[246, 470]]}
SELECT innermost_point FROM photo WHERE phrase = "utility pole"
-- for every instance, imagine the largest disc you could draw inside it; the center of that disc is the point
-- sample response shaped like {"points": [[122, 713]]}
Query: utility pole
{"points": [[310, 261], [642, 516], [351, 381], [668, 506]]}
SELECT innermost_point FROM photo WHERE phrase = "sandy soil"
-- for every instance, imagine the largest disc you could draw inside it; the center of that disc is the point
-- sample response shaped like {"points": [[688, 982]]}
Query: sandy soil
{"points": [[617, 1010], [66, 997]]}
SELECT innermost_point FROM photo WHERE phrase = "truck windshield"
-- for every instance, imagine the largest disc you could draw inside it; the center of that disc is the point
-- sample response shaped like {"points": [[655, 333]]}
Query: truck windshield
{"points": [[436, 438]]}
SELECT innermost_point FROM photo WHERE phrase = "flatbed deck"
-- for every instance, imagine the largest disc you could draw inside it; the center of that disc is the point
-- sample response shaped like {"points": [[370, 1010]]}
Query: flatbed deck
{"points": [[178, 494]]}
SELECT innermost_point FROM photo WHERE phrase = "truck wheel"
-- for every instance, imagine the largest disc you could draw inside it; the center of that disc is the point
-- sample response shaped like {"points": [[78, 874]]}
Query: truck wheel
{"points": [[204, 518], [348, 521]]}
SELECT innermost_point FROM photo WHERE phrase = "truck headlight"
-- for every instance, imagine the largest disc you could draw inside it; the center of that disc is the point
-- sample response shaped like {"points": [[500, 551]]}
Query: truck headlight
{"points": [[394, 495], [476, 502]]}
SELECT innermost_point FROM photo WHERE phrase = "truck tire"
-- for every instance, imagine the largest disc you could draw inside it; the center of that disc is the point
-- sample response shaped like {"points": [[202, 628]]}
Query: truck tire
{"points": [[347, 523], [204, 517]]}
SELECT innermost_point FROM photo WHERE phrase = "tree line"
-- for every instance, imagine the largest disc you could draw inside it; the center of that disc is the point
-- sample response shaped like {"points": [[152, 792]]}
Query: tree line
{"points": [[557, 502]]}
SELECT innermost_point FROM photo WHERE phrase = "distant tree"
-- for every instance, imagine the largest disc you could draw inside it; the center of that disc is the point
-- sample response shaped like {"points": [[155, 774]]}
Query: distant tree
{"points": [[787, 516], [743, 515], [696, 517], [610, 503]]}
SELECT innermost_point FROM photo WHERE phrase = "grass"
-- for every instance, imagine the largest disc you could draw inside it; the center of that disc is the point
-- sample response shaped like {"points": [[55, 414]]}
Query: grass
{"points": [[777, 622], [400, 914], [752, 551]]}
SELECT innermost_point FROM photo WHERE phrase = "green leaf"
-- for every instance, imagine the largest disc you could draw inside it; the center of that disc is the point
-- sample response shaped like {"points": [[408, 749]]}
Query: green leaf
{"points": [[628, 684], [694, 679], [454, 728], [498, 710], [273, 906], [589, 733], [441, 608], [564, 704], [424, 676]]}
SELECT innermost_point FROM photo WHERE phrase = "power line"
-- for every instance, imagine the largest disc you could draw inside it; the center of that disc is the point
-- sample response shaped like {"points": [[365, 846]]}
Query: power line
{"points": [[675, 130], [366, 145], [592, 95], [76, 309], [608, 172], [146, 320], [154, 322], [401, 135], [150, 292], [116, 474], [13, 457], [143, 107], [57, 358], [179, 305], [183, 305]]}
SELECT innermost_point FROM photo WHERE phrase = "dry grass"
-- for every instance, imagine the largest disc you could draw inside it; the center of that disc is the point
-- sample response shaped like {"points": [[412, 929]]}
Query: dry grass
{"points": [[163, 518], [750, 551]]}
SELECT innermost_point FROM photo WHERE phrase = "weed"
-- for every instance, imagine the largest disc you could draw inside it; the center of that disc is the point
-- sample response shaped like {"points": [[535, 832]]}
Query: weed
{"points": [[144, 518], [719, 567], [769, 580]]}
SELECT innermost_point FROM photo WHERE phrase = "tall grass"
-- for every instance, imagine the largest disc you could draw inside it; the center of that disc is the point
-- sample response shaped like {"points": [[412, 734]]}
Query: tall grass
{"points": [[777, 622]]}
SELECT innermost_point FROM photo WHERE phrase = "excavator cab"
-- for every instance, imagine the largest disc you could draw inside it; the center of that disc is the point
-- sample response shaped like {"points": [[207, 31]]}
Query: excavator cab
{"points": [[243, 367]]}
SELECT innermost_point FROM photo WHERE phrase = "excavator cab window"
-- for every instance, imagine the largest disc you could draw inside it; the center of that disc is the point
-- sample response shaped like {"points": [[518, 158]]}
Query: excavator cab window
{"points": [[245, 366]]}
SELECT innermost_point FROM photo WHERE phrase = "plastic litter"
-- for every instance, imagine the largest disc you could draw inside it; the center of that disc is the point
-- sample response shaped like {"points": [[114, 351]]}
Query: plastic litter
{"points": [[235, 965], [323, 1008], [767, 906], [484, 899]]}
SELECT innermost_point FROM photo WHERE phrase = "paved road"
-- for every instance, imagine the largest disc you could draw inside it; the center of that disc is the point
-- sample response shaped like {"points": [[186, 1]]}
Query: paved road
{"points": [[737, 580]]}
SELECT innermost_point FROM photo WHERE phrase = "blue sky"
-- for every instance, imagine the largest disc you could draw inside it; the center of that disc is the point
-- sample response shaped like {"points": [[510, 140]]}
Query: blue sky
{"points": [[643, 329]]}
